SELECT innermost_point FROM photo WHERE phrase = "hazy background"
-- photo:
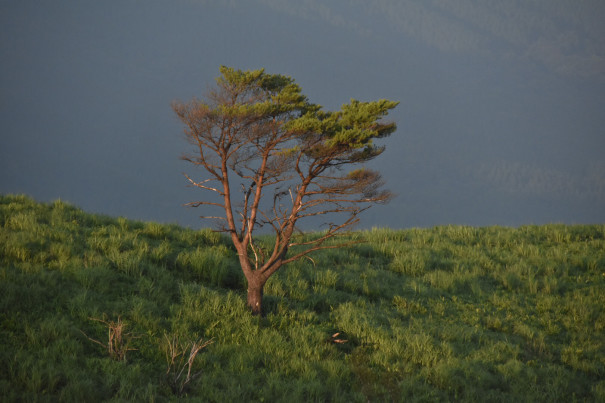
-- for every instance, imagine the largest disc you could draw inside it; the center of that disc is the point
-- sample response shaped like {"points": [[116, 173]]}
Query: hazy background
{"points": [[501, 121]]}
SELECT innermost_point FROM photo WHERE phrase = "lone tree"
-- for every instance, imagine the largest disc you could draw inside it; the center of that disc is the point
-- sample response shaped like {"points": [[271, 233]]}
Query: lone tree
{"points": [[261, 142]]}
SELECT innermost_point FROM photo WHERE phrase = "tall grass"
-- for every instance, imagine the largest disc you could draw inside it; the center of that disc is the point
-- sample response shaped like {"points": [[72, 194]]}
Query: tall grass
{"points": [[442, 314]]}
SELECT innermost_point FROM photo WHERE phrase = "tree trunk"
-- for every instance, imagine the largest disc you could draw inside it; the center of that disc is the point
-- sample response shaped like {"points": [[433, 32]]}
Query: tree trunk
{"points": [[255, 294]]}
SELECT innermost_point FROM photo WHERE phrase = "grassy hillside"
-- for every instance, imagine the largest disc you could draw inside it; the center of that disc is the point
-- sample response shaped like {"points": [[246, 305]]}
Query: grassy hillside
{"points": [[449, 313]]}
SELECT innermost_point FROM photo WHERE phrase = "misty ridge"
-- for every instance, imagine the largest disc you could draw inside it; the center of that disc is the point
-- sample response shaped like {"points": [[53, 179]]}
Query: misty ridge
{"points": [[503, 30], [530, 180]]}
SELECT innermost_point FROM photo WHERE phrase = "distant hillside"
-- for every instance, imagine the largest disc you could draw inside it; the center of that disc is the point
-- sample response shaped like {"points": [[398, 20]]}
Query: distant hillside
{"points": [[96, 308]]}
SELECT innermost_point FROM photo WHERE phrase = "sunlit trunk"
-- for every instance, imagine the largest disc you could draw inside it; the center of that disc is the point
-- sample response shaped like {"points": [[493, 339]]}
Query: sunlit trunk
{"points": [[255, 294]]}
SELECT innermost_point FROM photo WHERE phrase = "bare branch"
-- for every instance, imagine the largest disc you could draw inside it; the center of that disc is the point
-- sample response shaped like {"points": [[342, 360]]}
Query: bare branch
{"points": [[208, 217], [330, 234], [202, 186], [319, 247], [203, 203]]}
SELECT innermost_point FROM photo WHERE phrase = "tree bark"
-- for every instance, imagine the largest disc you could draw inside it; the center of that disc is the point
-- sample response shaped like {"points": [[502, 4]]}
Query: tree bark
{"points": [[255, 294]]}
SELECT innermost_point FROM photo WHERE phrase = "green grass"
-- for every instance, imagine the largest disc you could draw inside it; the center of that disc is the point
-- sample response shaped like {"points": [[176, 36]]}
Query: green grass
{"points": [[443, 314]]}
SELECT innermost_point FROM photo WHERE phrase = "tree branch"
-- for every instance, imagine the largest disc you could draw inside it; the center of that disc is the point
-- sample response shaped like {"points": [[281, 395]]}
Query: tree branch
{"points": [[201, 186]]}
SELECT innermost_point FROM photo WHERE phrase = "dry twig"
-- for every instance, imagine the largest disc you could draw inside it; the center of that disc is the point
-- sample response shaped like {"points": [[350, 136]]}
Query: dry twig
{"points": [[176, 355], [117, 340]]}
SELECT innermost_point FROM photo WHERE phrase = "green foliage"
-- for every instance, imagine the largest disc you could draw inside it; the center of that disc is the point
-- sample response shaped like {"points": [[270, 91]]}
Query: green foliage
{"points": [[441, 314]]}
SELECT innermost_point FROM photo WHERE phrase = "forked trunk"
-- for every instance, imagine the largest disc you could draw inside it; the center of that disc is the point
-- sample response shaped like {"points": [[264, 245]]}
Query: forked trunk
{"points": [[255, 294]]}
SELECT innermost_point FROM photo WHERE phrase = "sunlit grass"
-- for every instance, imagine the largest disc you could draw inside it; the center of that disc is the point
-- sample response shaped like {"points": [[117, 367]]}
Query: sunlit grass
{"points": [[441, 314]]}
